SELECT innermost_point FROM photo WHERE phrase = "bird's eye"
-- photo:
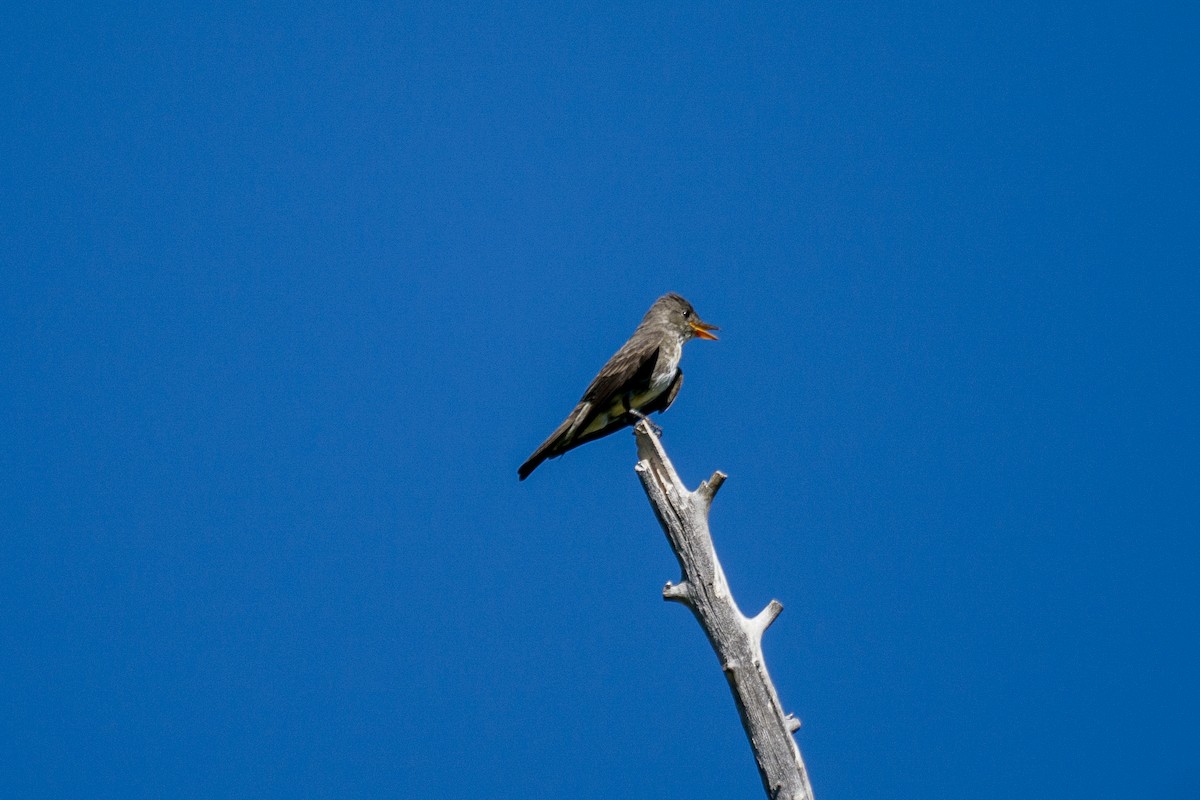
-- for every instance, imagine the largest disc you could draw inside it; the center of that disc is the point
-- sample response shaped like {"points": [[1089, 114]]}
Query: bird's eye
{"points": [[687, 312]]}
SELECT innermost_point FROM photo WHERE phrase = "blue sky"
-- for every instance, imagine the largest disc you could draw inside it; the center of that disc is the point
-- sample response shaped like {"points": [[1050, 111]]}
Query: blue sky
{"points": [[290, 292]]}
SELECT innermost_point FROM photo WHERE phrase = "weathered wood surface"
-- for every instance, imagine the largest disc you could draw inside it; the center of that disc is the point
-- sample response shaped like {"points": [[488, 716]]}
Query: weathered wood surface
{"points": [[737, 639]]}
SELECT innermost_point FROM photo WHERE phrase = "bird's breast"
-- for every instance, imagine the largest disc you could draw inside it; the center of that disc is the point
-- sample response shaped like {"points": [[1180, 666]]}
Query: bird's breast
{"points": [[661, 377]]}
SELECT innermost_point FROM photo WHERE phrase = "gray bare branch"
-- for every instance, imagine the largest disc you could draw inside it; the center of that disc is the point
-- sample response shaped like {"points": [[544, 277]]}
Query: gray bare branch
{"points": [[736, 639]]}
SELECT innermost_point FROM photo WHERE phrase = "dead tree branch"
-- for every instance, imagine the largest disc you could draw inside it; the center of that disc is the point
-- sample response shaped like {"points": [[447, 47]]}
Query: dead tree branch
{"points": [[736, 638]]}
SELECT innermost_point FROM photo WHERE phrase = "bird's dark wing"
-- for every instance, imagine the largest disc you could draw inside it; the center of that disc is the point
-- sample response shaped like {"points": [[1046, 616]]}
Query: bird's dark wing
{"points": [[659, 404], [628, 370]]}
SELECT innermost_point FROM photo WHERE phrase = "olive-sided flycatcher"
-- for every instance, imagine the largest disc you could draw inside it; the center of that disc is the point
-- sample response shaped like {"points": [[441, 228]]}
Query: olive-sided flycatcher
{"points": [[643, 376]]}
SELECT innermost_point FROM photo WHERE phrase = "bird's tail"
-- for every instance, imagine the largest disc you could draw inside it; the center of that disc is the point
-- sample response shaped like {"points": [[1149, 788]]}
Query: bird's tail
{"points": [[558, 443]]}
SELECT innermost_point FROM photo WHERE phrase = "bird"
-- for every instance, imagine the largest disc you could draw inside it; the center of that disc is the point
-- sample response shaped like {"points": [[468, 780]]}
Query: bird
{"points": [[643, 376]]}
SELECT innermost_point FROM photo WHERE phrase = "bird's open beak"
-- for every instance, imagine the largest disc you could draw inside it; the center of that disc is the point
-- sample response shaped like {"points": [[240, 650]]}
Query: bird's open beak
{"points": [[702, 330]]}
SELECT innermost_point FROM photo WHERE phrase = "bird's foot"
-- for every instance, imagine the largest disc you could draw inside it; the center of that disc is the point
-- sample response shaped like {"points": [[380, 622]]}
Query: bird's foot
{"points": [[643, 418]]}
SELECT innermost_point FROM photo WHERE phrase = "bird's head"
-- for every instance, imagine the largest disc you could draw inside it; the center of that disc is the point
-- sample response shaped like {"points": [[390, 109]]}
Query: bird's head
{"points": [[678, 313]]}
